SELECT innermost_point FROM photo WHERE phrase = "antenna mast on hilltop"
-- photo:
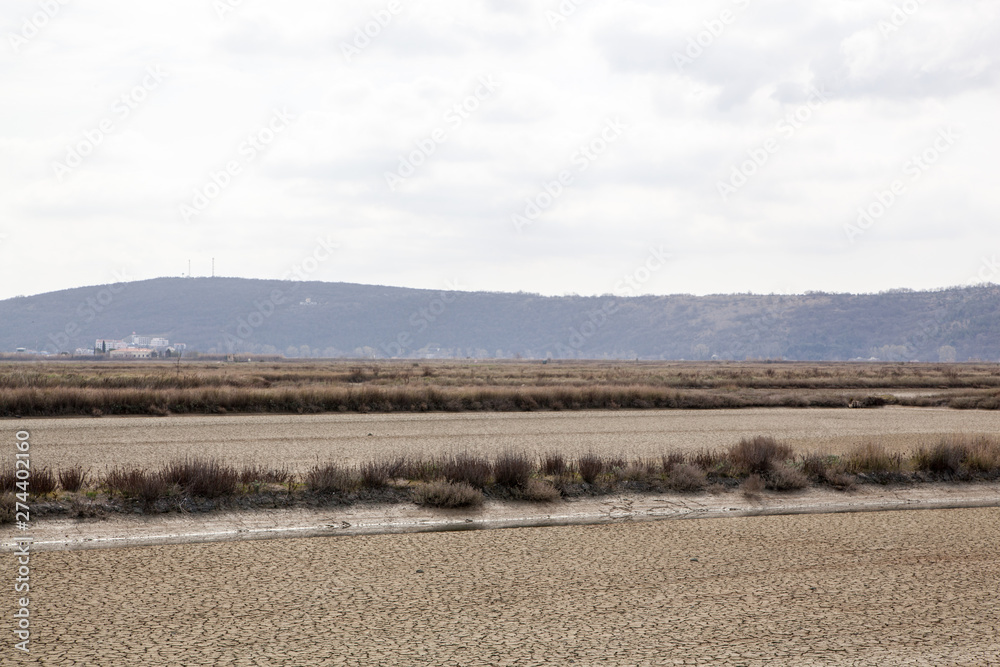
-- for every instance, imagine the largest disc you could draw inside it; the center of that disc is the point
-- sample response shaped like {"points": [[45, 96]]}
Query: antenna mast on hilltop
{"points": [[189, 268], [213, 267]]}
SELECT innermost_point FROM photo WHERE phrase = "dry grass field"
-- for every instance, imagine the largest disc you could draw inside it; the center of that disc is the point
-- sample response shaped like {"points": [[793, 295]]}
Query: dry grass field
{"points": [[887, 588], [53, 388]]}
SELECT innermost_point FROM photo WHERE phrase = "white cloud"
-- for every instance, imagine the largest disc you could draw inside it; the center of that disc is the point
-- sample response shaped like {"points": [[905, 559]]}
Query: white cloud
{"points": [[889, 90]]}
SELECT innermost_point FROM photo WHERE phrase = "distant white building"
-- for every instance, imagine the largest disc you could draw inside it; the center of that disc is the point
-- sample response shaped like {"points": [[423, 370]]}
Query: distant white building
{"points": [[141, 341], [158, 343], [108, 344], [132, 353]]}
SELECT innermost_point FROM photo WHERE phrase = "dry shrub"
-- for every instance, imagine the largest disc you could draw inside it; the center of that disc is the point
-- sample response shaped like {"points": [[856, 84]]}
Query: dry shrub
{"points": [[709, 460], [472, 470], [73, 478], [204, 478], [136, 483], [554, 464], [447, 494], [758, 454], [512, 469], [7, 507], [8, 480], [786, 478], [983, 455], [825, 469], [670, 460], [41, 482], [872, 457], [590, 466], [752, 486], [253, 473], [637, 471], [687, 478], [424, 470], [331, 478], [817, 466], [945, 458], [540, 491], [377, 474]]}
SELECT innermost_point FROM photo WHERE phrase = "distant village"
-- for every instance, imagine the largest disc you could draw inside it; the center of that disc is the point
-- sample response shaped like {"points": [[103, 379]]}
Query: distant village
{"points": [[135, 346]]}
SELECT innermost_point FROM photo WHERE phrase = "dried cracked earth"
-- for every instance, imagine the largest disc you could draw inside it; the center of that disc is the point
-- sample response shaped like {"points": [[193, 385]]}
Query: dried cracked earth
{"points": [[882, 588], [299, 441]]}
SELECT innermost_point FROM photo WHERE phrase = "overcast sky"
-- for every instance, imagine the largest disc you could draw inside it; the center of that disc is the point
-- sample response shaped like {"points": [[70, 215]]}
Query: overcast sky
{"points": [[545, 146]]}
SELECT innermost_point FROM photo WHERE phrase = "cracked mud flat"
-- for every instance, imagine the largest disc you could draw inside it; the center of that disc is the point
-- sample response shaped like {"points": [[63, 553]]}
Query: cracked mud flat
{"points": [[299, 441], [854, 588], [872, 588]]}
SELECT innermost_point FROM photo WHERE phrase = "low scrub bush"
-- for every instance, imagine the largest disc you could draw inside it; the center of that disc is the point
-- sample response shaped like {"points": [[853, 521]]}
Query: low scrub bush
{"points": [[204, 478], [872, 457], [786, 478], [636, 471], [554, 464], [670, 460], [687, 478], [136, 483], [424, 470], [590, 466], [759, 454], [540, 491], [473, 470], [7, 507], [377, 474], [253, 473], [826, 469], [73, 478], [41, 482], [817, 466], [710, 460], [443, 493], [944, 458], [512, 469], [331, 478], [983, 455], [8, 480]]}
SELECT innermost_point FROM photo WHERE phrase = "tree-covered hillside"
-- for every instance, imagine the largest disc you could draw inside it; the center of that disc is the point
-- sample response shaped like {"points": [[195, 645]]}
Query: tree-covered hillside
{"points": [[222, 315]]}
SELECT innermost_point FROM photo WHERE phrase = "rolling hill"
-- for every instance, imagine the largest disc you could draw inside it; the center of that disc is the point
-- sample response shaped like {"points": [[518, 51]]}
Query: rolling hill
{"points": [[223, 315]]}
